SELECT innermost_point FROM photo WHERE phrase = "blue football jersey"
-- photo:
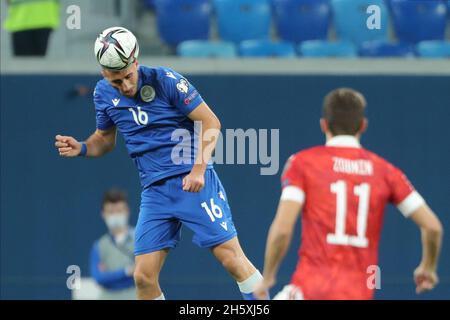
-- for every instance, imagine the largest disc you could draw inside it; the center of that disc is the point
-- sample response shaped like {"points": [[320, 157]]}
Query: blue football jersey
{"points": [[159, 136]]}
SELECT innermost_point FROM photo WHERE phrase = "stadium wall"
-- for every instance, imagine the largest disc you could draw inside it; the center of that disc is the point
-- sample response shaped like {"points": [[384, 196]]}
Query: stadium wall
{"points": [[50, 206]]}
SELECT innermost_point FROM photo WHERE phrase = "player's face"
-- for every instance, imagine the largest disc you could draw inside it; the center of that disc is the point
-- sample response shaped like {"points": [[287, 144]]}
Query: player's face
{"points": [[126, 81]]}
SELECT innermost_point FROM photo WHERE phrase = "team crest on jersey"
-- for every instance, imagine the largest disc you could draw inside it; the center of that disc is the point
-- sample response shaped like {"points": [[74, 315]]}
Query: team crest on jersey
{"points": [[115, 102], [183, 86], [147, 93]]}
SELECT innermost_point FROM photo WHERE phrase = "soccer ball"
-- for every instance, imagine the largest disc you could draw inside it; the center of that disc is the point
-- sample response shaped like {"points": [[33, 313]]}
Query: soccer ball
{"points": [[116, 48]]}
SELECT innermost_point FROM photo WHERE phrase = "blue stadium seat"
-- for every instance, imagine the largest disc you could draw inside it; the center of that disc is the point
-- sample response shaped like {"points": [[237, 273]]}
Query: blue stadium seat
{"points": [[350, 20], [419, 20], [300, 20], [325, 49], [266, 48], [240, 20], [183, 20], [433, 49], [149, 3], [385, 49], [206, 49]]}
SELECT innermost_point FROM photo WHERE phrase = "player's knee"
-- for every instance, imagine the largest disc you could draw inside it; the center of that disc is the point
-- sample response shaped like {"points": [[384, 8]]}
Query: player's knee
{"points": [[145, 279]]}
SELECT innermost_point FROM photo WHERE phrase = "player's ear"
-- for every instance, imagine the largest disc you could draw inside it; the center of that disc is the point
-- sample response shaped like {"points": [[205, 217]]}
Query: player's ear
{"points": [[364, 125], [323, 125], [135, 65]]}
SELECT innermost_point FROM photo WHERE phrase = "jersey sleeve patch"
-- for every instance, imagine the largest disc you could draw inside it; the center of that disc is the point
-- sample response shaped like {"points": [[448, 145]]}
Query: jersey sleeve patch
{"points": [[180, 92]]}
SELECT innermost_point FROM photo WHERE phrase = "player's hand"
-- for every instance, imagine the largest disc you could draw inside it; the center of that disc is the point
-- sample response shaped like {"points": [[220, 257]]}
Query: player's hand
{"points": [[425, 278], [194, 181], [262, 289], [67, 146]]}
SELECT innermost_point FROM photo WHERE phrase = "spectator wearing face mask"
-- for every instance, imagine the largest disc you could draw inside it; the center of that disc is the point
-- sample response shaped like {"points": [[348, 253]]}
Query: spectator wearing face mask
{"points": [[112, 258]]}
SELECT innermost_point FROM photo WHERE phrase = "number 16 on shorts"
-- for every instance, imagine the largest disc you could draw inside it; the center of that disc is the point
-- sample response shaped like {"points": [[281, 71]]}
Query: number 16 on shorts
{"points": [[213, 211]]}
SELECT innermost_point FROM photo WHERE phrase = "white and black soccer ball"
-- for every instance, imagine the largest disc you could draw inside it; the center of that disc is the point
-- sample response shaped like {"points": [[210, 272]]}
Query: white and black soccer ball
{"points": [[116, 48]]}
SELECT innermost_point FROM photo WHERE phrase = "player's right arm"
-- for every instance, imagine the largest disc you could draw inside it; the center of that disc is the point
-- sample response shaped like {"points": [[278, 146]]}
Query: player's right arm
{"points": [[282, 228], [425, 274], [102, 141], [278, 242], [97, 145]]}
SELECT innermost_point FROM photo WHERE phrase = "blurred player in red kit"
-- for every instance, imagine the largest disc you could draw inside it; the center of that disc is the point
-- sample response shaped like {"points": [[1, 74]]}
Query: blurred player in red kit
{"points": [[342, 190]]}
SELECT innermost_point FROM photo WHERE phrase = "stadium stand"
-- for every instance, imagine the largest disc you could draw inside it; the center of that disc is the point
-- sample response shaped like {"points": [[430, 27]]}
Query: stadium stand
{"points": [[433, 49], [300, 20], [326, 49], [207, 49], [183, 20], [350, 20], [385, 49], [251, 19], [415, 21], [266, 48]]}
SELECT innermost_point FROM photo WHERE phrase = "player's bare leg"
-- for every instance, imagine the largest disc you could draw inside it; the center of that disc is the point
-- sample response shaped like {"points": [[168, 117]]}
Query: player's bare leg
{"points": [[146, 274], [232, 257]]}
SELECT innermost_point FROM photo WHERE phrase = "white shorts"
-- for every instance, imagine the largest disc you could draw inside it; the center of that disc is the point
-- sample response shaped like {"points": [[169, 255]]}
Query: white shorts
{"points": [[289, 292]]}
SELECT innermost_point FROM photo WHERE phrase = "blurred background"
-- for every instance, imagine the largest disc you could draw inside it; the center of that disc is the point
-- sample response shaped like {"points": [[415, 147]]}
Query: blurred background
{"points": [[262, 64]]}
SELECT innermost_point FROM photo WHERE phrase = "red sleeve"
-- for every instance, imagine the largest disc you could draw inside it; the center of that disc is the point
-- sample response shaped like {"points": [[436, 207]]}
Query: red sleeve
{"points": [[402, 193], [292, 174], [399, 185]]}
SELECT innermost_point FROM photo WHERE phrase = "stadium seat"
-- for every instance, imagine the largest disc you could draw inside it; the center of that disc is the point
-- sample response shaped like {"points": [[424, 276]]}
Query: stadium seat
{"points": [[385, 49], [433, 49], [240, 20], [206, 49], [324, 49], [183, 20], [415, 21], [300, 20], [149, 4], [351, 17], [266, 48]]}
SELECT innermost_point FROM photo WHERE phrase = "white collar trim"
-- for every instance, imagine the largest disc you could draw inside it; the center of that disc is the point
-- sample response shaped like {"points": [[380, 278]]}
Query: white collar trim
{"points": [[345, 141]]}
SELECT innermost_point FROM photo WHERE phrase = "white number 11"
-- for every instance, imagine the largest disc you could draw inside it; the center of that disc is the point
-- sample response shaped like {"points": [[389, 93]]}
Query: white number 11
{"points": [[339, 237]]}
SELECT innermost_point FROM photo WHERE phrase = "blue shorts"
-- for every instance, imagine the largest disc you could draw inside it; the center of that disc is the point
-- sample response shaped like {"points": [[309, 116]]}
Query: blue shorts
{"points": [[165, 207]]}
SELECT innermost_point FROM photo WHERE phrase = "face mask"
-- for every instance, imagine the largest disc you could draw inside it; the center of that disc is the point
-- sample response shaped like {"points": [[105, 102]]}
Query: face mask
{"points": [[117, 220]]}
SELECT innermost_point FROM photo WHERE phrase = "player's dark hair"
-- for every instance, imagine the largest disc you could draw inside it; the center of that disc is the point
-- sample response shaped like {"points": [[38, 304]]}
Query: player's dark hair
{"points": [[114, 196], [343, 109]]}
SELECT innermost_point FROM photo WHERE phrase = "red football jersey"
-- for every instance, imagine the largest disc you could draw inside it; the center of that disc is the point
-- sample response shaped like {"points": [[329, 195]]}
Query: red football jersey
{"points": [[344, 189]]}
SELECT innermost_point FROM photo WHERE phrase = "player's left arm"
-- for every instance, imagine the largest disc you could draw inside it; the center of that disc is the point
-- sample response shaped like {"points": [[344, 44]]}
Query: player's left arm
{"points": [[413, 206], [278, 242], [208, 135], [425, 275]]}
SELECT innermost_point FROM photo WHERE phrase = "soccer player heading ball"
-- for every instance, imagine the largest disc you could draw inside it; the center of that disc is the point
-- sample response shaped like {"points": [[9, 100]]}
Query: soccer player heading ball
{"points": [[147, 105], [342, 190]]}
